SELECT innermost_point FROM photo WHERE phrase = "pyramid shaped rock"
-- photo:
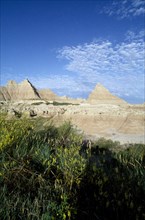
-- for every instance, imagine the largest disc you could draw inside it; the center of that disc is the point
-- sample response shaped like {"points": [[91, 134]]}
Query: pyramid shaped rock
{"points": [[22, 91], [102, 95], [27, 91]]}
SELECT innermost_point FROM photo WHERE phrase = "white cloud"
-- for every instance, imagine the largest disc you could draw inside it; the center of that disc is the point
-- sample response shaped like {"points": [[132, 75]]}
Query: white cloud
{"points": [[125, 9], [133, 36], [119, 67]]}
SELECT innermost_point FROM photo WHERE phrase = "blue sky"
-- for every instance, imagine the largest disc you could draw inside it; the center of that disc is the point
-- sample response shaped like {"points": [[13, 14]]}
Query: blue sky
{"points": [[70, 46]]}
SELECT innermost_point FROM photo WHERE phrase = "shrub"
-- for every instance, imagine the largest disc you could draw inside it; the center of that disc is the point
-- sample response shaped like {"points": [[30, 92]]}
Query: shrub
{"points": [[36, 169], [11, 131], [59, 103], [49, 173], [37, 103], [107, 144]]}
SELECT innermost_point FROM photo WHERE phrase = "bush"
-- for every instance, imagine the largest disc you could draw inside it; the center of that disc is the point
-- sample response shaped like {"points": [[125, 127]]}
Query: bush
{"points": [[37, 103], [51, 173], [39, 167], [11, 131], [107, 144], [59, 103]]}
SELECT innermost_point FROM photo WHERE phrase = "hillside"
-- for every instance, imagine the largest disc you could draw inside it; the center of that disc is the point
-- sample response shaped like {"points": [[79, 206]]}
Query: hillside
{"points": [[101, 115], [102, 95], [22, 91]]}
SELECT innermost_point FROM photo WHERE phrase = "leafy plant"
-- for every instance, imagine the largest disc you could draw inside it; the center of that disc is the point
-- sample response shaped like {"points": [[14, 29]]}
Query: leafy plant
{"points": [[49, 172]]}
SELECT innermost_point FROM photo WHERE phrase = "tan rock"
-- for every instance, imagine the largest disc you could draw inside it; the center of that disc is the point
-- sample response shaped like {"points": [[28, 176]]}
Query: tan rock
{"points": [[27, 91], [4, 94], [22, 91], [47, 94], [102, 95], [125, 123], [12, 89]]}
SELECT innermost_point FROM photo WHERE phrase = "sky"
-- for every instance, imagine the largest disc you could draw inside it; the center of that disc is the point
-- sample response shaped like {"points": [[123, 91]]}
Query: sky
{"points": [[70, 46]]}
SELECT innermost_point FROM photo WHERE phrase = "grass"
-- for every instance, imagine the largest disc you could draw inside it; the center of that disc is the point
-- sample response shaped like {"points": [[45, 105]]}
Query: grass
{"points": [[51, 173], [37, 103], [60, 103]]}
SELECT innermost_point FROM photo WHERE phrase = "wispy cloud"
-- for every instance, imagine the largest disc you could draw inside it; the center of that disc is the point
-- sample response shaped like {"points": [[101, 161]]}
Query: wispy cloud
{"points": [[119, 67], [125, 9], [131, 36]]}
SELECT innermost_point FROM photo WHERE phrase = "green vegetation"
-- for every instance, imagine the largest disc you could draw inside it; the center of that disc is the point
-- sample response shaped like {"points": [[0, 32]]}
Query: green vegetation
{"points": [[49, 173], [37, 103], [59, 103]]}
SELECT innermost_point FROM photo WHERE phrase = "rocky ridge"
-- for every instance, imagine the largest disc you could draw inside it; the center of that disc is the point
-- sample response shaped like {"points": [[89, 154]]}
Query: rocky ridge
{"points": [[22, 91], [26, 91], [101, 115]]}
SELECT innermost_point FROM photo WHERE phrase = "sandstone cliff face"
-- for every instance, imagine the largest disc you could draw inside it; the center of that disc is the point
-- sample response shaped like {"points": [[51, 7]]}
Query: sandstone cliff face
{"points": [[26, 91], [12, 89], [4, 95], [47, 94], [22, 91], [101, 95]]}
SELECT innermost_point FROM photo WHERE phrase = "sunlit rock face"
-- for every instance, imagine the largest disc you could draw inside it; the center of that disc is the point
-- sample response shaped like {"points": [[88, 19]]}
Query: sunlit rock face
{"points": [[22, 91], [101, 115], [102, 95], [4, 94], [47, 94], [26, 91]]}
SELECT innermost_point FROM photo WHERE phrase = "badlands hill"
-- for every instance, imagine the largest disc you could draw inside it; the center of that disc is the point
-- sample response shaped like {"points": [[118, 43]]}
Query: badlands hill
{"points": [[47, 94], [26, 91], [22, 91], [101, 115], [102, 95]]}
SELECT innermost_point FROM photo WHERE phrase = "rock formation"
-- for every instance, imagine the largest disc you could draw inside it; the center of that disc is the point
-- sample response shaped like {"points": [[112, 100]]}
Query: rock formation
{"points": [[12, 89], [102, 95], [26, 91], [102, 115], [22, 91], [4, 95], [47, 94]]}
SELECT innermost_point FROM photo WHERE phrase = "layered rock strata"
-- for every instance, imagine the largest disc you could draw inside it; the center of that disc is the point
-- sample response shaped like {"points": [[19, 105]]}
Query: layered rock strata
{"points": [[101, 95]]}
